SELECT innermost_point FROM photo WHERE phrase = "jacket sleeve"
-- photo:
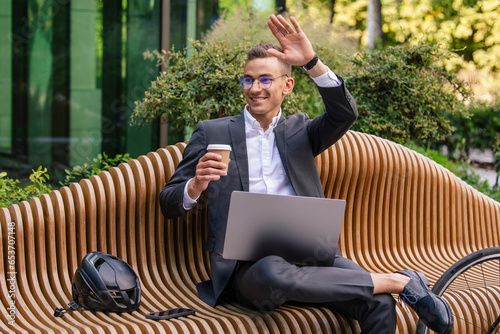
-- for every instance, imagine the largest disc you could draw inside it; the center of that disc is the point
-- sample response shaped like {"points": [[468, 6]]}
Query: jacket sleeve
{"points": [[172, 195], [340, 113]]}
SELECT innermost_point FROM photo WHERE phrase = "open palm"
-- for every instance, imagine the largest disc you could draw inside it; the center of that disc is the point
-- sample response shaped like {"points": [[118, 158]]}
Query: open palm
{"points": [[297, 49]]}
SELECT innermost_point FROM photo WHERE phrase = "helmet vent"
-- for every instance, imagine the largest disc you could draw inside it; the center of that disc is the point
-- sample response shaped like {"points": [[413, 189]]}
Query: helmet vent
{"points": [[92, 295], [123, 300], [117, 297], [131, 294], [99, 262]]}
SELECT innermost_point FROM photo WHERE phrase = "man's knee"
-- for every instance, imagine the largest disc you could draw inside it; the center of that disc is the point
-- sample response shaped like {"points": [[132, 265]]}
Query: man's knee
{"points": [[385, 299], [385, 305], [272, 271], [262, 285]]}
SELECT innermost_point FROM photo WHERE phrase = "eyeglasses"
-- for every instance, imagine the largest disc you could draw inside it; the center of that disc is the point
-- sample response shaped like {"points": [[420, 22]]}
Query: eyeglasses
{"points": [[265, 82]]}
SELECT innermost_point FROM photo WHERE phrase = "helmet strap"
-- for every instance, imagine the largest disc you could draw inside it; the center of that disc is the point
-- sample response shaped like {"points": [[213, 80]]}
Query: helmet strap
{"points": [[73, 306]]}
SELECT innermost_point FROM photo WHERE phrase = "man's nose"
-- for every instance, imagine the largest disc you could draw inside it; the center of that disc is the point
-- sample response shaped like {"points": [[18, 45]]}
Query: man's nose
{"points": [[255, 86]]}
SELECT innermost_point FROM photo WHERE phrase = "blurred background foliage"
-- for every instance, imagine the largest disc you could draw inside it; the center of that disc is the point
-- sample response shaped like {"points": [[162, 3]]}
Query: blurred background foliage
{"points": [[469, 27]]}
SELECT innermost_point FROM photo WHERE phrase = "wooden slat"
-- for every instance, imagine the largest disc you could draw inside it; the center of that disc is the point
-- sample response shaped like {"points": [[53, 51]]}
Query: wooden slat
{"points": [[122, 210], [68, 240], [12, 320], [111, 219], [101, 208], [32, 308]]}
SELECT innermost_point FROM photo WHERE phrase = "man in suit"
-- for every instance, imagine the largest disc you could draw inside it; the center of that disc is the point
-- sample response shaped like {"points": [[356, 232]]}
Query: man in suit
{"points": [[271, 154]]}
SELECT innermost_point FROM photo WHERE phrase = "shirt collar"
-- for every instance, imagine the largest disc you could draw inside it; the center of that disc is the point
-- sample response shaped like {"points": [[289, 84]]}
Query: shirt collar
{"points": [[252, 123]]}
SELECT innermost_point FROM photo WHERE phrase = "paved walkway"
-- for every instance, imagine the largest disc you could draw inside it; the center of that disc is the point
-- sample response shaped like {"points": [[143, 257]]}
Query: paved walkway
{"points": [[484, 157], [487, 175]]}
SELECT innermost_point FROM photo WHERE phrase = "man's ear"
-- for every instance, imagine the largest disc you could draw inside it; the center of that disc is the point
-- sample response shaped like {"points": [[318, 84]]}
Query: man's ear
{"points": [[290, 82]]}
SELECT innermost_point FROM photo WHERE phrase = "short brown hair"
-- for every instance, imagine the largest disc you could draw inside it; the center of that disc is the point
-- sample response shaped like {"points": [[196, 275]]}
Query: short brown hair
{"points": [[260, 51]]}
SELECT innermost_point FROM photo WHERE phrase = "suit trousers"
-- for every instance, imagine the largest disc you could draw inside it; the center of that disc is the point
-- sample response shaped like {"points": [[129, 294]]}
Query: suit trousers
{"points": [[344, 287]]}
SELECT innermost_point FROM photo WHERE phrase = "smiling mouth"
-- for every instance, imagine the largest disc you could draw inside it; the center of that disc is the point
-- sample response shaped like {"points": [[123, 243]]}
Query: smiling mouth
{"points": [[258, 98]]}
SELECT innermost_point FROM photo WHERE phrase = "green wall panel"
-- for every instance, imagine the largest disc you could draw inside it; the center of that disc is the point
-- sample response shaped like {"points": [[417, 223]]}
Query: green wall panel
{"points": [[86, 98], [89, 5], [83, 50], [5, 78], [39, 83], [142, 34], [85, 125]]}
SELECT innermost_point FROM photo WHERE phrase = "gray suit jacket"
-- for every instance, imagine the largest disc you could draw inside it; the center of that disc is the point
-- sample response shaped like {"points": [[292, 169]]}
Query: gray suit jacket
{"points": [[299, 140]]}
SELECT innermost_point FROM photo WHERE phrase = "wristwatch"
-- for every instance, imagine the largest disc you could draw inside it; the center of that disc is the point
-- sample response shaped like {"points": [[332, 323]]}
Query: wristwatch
{"points": [[312, 63]]}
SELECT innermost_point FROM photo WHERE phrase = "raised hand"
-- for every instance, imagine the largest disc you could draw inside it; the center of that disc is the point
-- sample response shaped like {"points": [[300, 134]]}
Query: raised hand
{"points": [[297, 49]]}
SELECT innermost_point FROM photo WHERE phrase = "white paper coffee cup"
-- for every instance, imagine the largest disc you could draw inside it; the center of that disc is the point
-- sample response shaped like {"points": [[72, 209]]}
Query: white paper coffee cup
{"points": [[221, 149]]}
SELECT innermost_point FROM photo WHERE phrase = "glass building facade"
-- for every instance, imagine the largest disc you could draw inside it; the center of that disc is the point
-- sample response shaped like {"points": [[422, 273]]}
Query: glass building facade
{"points": [[71, 70]]}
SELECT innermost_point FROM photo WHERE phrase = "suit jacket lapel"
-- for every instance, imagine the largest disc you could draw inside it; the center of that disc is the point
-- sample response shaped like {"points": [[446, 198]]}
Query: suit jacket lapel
{"points": [[280, 136], [237, 133]]}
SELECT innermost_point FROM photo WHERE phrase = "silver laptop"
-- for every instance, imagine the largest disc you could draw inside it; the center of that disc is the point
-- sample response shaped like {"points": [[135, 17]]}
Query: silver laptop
{"points": [[302, 230]]}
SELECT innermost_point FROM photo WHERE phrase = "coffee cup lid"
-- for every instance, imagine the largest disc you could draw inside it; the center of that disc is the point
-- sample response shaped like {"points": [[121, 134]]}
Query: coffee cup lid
{"points": [[219, 147]]}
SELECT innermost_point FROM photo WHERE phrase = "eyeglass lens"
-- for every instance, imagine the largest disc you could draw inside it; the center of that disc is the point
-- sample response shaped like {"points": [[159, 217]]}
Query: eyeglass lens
{"points": [[265, 82]]}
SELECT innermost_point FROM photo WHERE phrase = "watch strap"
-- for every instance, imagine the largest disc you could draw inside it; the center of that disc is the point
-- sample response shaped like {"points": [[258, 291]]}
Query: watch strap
{"points": [[311, 63]]}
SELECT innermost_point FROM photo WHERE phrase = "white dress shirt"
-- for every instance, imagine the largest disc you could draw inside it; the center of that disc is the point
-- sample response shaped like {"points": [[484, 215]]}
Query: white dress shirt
{"points": [[265, 168]]}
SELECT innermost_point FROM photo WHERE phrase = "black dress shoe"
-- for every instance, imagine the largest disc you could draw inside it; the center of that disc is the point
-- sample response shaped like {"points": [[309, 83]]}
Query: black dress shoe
{"points": [[434, 311]]}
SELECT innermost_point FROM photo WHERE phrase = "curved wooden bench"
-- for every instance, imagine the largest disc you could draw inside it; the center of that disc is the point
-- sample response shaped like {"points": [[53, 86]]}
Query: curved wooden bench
{"points": [[403, 211]]}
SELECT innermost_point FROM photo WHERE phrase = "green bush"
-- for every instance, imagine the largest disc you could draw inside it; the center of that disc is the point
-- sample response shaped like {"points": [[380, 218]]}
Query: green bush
{"points": [[403, 95], [93, 167], [12, 193], [337, 61], [479, 129]]}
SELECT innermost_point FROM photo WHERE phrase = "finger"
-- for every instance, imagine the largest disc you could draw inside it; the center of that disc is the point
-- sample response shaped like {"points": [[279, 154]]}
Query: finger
{"points": [[286, 26], [295, 24], [278, 24], [210, 156], [274, 30], [210, 166], [211, 160], [209, 174], [203, 180], [276, 54]]}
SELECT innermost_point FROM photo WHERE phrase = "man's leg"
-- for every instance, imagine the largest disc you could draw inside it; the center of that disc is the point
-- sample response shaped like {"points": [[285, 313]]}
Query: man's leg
{"points": [[348, 288], [375, 316]]}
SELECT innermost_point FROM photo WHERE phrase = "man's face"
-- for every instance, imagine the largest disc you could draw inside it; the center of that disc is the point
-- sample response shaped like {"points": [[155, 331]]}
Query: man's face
{"points": [[266, 103]]}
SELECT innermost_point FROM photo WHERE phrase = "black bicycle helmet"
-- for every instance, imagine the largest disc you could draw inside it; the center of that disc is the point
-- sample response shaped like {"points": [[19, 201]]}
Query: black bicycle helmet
{"points": [[105, 283]]}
